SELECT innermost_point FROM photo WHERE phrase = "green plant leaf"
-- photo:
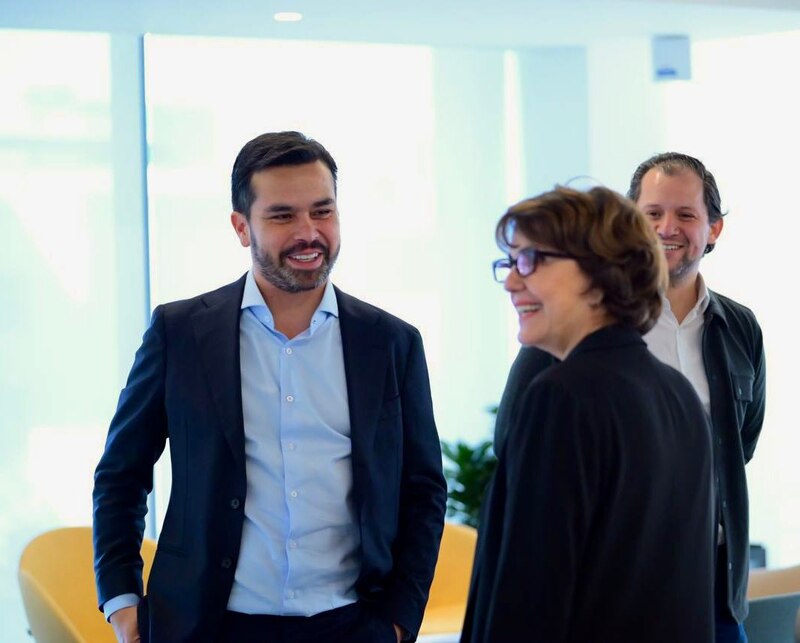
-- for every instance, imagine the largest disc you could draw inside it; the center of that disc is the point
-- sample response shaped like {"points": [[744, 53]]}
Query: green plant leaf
{"points": [[468, 471]]}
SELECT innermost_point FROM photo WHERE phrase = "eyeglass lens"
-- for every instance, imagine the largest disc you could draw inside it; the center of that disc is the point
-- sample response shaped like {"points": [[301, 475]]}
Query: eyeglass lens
{"points": [[526, 262]]}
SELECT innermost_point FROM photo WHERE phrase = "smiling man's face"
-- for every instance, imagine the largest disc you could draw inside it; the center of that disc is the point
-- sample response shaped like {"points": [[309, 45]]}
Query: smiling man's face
{"points": [[293, 227], [675, 207]]}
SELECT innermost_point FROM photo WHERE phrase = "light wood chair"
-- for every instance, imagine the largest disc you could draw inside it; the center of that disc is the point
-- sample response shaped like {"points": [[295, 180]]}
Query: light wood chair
{"points": [[56, 578], [769, 582], [447, 603]]}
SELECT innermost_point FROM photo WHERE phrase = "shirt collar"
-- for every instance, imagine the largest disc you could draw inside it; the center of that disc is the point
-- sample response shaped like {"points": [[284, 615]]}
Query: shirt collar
{"points": [[703, 299], [329, 305], [252, 298]]}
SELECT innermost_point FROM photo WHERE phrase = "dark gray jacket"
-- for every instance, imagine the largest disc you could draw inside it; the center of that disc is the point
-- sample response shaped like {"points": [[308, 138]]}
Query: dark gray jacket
{"points": [[733, 353]]}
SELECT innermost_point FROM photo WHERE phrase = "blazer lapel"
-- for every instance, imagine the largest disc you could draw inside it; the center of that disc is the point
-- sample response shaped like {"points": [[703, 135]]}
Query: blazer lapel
{"points": [[365, 366], [216, 328]]}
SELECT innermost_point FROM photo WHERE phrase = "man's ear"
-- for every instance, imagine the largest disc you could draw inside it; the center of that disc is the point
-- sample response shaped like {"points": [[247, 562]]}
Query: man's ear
{"points": [[716, 230], [242, 228]]}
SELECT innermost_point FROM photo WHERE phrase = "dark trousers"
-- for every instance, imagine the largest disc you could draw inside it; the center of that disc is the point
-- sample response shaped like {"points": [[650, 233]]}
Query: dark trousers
{"points": [[350, 624], [726, 628]]}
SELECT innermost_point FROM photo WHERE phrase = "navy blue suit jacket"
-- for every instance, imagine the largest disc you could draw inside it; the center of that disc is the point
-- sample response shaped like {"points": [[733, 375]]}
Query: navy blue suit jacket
{"points": [[185, 386]]}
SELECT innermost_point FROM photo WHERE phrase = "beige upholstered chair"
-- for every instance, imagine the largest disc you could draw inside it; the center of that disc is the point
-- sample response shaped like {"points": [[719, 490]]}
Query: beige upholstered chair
{"points": [[448, 598], [56, 579]]}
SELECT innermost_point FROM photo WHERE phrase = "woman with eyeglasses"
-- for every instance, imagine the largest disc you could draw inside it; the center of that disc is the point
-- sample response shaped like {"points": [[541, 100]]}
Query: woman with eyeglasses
{"points": [[599, 521]]}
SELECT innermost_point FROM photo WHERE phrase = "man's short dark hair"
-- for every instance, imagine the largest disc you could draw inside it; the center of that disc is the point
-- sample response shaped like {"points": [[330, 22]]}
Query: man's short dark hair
{"points": [[274, 149], [671, 163]]}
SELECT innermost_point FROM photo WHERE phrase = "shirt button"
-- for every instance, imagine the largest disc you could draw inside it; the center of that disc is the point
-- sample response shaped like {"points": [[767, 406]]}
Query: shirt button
{"points": [[288, 351], [235, 503], [292, 544], [290, 398], [226, 563], [290, 446], [293, 494], [290, 594], [725, 503]]}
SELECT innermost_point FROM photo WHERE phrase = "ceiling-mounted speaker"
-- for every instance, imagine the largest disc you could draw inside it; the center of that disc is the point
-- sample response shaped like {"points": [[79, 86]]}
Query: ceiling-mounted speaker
{"points": [[672, 58]]}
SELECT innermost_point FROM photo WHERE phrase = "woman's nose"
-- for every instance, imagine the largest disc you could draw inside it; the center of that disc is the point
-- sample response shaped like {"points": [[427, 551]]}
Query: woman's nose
{"points": [[513, 281]]}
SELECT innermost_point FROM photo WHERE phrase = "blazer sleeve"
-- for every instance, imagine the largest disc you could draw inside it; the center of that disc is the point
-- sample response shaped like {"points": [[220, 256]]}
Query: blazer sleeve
{"points": [[124, 476], [423, 495], [550, 479]]}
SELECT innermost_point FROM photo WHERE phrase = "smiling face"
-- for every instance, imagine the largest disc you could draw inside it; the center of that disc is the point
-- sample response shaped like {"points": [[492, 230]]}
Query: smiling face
{"points": [[675, 206], [555, 310], [293, 227]]}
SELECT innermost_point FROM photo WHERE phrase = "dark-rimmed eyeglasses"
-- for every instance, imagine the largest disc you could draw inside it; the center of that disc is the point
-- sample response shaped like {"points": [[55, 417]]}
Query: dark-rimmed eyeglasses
{"points": [[526, 262]]}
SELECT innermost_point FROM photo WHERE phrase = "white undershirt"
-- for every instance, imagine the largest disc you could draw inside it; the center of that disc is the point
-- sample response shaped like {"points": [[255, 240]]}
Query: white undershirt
{"points": [[680, 345]]}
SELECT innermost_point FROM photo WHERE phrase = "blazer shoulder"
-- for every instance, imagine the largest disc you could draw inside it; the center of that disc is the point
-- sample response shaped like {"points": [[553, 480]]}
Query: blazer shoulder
{"points": [[353, 307], [231, 291], [605, 374]]}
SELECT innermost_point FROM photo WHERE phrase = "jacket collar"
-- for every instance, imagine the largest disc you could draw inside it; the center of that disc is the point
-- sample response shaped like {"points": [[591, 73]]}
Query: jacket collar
{"points": [[715, 309], [611, 336]]}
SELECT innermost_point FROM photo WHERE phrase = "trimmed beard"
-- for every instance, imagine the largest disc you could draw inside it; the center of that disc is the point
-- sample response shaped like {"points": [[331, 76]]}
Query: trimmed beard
{"points": [[289, 279], [683, 271]]}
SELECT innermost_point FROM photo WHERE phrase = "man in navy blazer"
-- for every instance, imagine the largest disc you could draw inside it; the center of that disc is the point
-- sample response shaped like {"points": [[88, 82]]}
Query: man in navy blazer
{"points": [[307, 498]]}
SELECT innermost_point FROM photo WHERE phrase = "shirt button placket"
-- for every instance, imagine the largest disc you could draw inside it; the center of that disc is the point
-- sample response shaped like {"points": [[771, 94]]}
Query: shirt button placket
{"points": [[288, 416]]}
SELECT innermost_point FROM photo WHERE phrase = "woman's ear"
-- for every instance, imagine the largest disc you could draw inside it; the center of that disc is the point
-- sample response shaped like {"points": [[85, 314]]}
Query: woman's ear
{"points": [[595, 297]]}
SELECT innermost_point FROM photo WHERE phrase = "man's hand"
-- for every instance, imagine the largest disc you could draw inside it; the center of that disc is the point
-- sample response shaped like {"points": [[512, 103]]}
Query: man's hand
{"points": [[398, 631], [126, 626]]}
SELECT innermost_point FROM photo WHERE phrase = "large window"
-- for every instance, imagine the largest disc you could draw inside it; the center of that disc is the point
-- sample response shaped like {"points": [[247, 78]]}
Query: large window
{"points": [[419, 135], [59, 284], [417, 201], [372, 106]]}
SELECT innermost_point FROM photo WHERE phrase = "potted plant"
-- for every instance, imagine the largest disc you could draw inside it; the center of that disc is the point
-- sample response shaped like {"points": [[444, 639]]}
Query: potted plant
{"points": [[468, 472]]}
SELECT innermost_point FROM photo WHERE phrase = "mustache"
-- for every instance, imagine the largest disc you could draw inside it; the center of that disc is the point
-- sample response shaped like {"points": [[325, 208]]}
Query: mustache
{"points": [[300, 247]]}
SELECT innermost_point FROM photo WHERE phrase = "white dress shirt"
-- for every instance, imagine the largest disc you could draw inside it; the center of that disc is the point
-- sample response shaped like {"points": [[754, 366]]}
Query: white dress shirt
{"points": [[680, 345]]}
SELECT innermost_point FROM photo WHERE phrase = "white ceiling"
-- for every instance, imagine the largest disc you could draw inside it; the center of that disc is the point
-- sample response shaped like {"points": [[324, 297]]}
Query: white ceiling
{"points": [[483, 23]]}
